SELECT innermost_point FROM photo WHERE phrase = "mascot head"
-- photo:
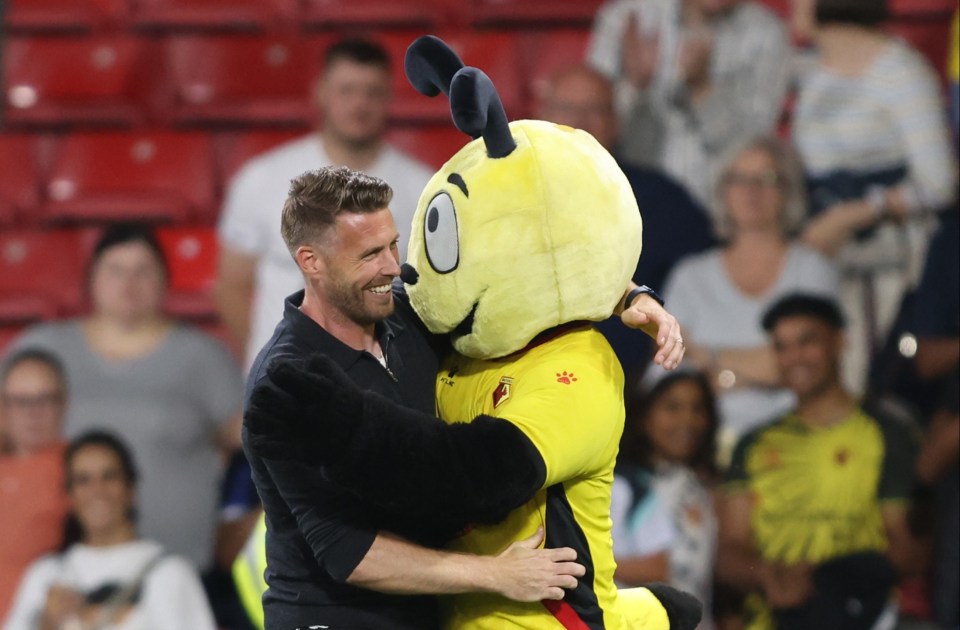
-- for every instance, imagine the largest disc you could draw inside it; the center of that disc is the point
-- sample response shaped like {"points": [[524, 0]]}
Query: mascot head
{"points": [[529, 226]]}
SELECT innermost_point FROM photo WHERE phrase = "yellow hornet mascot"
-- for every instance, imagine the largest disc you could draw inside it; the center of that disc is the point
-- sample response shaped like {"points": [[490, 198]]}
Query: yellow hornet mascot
{"points": [[526, 236]]}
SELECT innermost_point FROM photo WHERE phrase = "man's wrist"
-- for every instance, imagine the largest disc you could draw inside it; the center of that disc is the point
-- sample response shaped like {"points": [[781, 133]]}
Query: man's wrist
{"points": [[637, 292]]}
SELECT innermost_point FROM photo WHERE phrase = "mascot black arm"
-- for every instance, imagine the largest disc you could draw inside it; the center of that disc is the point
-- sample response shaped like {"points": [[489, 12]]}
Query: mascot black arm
{"points": [[398, 458]]}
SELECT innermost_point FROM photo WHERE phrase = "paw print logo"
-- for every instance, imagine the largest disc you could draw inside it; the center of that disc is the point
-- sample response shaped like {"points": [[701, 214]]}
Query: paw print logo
{"points": [[566, 377]]}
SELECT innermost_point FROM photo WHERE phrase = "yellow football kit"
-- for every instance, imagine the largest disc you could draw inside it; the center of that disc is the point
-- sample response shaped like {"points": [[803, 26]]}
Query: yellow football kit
{"points": [[818, 492], [566, 395]]}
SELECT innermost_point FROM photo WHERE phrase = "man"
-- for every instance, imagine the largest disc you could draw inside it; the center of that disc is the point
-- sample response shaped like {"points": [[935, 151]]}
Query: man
{"points": [[332, 559], [674, 225], [693, 78], [255, 272], [813, 521], [33, 395]]}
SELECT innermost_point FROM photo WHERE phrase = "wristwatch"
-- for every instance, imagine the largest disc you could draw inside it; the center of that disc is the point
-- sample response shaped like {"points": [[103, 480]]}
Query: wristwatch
{"points": [[639, 291]]}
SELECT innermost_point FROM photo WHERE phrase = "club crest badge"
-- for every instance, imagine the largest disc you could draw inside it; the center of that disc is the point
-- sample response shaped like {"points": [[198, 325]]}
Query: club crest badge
{"points": [[502, 393]]}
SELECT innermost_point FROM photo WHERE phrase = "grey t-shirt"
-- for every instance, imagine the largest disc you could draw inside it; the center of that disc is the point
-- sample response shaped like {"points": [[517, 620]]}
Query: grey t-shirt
{"points": [[168, 407]]}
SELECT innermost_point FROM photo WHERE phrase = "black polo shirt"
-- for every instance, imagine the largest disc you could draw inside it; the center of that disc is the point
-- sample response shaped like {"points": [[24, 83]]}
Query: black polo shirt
{"points": [[316, 533]]}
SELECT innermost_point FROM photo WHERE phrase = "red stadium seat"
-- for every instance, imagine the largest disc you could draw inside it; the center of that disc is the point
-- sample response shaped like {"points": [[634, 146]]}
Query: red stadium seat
{"points": [[207, 14], [78, 80], [546, 53], [41, 274], [35, 16], [382, 13], [535, 12], [942, 8], [432, 145], [19, 177], [8, 333], [161, 176], [241, 79], [191, 254], [497, 53], [233, 150]]}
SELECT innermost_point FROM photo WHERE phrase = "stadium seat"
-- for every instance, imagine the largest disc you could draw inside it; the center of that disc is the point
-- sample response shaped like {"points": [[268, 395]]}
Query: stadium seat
{"points": [[497, 53], [8, 333], [234, 149], [158, 176], [376, 13], [41, 274], [19, 177], [191, 254], [78, 80], [36, 16], [241, 79], [547, 52], [535, 12], [212, 14], [432, 145], [942, 8]]}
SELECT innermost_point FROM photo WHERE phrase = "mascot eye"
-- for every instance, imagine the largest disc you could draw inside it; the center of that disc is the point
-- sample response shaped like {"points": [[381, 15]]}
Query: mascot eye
{"points": [[440, 234]]}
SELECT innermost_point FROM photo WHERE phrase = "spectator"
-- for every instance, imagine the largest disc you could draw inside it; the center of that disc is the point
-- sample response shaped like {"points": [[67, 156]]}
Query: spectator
{"points": [[870, 127], [106, 577], [667, 458], [171, 391], [693, 78], [936, 322], [721, 294], [33, 394], [674, 225], [813, 520], [256, 271]]}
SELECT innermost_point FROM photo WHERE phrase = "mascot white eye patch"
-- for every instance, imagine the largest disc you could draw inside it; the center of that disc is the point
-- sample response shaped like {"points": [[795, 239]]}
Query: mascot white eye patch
{"points": [[440, 237]]}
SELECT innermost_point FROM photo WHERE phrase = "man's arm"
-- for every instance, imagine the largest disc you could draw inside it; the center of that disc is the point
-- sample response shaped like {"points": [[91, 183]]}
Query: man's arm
{"points": [[236, 281], [522, 572], [647, 314], [327, 518], [738, 561]]}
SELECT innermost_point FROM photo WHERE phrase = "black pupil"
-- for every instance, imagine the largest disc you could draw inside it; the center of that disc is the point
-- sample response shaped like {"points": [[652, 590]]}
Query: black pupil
{"points": [[433, 219]]}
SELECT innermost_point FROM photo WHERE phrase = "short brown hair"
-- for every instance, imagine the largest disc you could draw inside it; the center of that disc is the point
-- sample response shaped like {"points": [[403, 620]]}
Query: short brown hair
{"points": [[317, 197]]}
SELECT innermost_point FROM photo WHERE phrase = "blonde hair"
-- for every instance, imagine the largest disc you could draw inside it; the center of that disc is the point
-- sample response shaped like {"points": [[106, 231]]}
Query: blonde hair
{"points": [[790, 176]]}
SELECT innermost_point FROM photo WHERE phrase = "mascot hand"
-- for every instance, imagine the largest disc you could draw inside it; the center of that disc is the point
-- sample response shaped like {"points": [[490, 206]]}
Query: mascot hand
{"points": [[304, 409], [683, 609]]}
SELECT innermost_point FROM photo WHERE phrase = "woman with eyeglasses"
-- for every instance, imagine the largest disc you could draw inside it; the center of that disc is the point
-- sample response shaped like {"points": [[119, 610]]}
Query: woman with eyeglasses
{"points": [[106, 578], [720, 295]]}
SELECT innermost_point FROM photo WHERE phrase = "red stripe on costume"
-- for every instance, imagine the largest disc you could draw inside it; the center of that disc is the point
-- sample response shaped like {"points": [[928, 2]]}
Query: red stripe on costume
{"points": [[565, 614]]}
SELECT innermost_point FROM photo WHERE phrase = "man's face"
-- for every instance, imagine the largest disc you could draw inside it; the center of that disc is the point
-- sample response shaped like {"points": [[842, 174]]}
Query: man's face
{"points": [[353, 99], [582, 101], [32, 404], [360, 261], [808, 354]]}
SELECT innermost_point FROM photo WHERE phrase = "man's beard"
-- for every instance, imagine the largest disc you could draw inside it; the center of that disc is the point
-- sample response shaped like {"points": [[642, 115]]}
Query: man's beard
{"points": [[349, 300]]}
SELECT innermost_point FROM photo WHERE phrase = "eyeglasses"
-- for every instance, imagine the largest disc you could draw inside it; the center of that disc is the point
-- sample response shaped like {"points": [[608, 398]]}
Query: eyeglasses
{"points": [[39, 401], [769, 179]]}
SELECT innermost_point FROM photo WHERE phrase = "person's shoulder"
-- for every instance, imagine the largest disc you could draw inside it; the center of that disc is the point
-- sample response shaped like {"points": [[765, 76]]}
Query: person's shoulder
{"points": [[50, 335], [896, 421], [807, 257], [395, 159], [196, 341], [757, 13], [297, 153], [696, 265]]}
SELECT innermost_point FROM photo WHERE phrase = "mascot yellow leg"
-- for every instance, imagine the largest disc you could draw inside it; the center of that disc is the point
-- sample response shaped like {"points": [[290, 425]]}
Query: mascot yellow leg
{"points": [[658, 607]]}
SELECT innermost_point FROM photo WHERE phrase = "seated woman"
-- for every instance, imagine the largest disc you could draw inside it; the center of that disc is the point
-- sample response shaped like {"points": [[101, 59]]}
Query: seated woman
{"points": [[719, 295], [664, 522], [106, 578]]}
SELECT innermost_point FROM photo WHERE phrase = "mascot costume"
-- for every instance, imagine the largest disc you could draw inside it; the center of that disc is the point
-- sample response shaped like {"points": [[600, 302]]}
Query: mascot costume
{"points": [[524, 237]]}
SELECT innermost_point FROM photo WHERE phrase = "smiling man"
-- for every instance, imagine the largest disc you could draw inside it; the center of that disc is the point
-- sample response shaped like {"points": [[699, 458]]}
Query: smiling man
{"points": [[333, 559], [813, 521]]}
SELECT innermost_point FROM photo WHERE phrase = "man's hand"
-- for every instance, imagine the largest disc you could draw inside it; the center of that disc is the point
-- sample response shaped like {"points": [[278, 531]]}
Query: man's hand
{"points": [[787, 586], [61, 604], [639, 53], [646, 314], [525, 573]]}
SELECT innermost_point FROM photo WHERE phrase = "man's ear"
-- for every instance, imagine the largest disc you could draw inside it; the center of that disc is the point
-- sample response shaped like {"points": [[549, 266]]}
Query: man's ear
{"points": [[309, 260]]}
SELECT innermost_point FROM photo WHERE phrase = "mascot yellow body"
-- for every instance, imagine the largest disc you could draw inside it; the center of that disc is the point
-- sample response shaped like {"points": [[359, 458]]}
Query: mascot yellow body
{"points": [[514, 255]]}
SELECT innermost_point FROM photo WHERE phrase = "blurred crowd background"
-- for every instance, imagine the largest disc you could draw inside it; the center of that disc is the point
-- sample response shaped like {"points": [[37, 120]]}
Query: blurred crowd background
{"points": [[795, 162]]}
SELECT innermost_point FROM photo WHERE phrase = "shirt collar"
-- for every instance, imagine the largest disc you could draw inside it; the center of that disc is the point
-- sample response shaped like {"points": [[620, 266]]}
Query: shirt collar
{"points": [[319, 340]]}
